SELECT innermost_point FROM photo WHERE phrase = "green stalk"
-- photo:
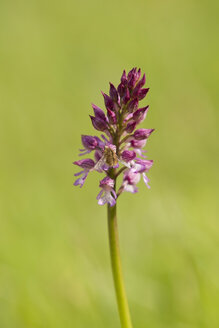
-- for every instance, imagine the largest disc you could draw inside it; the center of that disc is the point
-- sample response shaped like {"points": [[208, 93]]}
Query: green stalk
{"points": [[122, 302]]}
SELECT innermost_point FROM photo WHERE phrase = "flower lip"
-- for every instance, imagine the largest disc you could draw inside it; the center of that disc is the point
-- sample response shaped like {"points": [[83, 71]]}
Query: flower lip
{"points": [[107, 193]]}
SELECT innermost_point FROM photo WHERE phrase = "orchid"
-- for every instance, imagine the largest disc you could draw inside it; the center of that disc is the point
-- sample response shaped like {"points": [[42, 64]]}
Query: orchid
{"points": [[118, 150]]}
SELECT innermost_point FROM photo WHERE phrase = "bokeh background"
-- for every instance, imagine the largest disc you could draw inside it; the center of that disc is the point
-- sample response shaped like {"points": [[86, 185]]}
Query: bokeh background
{"points": [[55, 57]]}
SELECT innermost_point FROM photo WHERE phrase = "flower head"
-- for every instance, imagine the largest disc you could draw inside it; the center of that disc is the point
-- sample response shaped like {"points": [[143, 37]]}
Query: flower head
{"points": [[120, 147]]}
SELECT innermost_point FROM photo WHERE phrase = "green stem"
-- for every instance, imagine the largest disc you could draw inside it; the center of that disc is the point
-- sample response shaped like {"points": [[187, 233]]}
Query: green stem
{"points": [[122, 302]]}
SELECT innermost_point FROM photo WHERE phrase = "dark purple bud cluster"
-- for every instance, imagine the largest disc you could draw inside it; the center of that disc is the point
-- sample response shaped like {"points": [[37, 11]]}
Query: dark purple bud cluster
{"points": [[120, 149]]}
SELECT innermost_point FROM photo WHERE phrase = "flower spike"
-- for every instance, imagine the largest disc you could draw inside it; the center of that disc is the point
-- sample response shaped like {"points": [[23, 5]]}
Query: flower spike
{"points": [[120, 148]]}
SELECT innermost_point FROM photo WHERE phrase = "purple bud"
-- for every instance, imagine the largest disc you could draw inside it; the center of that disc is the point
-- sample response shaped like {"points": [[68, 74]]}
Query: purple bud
{"points": [[131, 73], [111, 116], [98, 124], [113, 93], [132, 78], [128, 155], [138, 87], [126, 96], [99, 113], [140, 114], [141, 134], [138, 75], [86, 163], [124, 78], [142, 93], [131, 83], [121, 90], [132, 106], [89, 142], [137, 143], [108, 101], [130, 127]]}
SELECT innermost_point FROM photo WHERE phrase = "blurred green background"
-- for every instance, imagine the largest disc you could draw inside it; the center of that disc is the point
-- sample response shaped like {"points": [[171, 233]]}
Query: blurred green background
{"points": [[55, 57]]}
